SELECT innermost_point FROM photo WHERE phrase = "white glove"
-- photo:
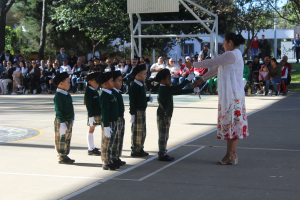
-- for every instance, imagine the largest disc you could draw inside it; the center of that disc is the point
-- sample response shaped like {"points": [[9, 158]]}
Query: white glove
{"points": [[150, 99], [62, 128], [132, 118], [196, 90], [92, 121], [107, 132], [191, 76]]}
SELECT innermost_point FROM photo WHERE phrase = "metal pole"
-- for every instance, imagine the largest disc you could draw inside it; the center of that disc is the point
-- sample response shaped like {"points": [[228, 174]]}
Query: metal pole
{"points": [[140, 40], [132, 39], [275, 30], [153, 56], [217, 37], [212, 45]]}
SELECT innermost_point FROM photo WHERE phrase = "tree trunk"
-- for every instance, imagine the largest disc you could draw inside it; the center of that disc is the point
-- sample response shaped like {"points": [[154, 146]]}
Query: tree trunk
{"points": [[2, 31], [43, 31]]}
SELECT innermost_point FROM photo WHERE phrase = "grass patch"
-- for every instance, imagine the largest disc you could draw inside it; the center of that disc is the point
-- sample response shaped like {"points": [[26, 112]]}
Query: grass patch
{"points": [[295, 75]]}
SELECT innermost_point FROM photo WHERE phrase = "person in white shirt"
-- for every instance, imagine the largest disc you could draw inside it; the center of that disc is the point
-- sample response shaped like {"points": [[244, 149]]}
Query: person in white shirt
{"points": [[174, 70], [121, 67], [155, 68], [65, 67], [19, 73]]}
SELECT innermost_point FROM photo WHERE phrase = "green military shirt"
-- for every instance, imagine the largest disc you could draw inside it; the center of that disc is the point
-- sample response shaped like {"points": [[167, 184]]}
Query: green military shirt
{"points": [[92, 102], [137, 97], [119, 97], [109, 107], [165, 95], [63, 106]]}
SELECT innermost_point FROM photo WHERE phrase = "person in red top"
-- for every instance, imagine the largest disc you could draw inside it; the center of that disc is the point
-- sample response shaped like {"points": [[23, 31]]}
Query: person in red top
{"points": [[254, 47], [289, 66], [184, 71]]}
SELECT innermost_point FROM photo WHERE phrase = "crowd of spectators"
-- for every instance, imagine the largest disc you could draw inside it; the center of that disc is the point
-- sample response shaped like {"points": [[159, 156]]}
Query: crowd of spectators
{"points": [[33, 76]]}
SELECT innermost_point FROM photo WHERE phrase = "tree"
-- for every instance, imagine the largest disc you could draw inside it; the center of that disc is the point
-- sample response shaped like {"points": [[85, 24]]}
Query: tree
{"points": [[13, 39], [43, 31], [30, 15], [5, 5], [103, 21]]}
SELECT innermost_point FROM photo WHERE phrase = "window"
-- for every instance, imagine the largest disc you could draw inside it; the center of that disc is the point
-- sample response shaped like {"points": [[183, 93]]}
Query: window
{"points": [[187, 48]]}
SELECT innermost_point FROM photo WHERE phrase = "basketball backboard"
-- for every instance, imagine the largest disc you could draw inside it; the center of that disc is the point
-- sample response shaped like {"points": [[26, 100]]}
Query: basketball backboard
{"points": [[152, 6]]}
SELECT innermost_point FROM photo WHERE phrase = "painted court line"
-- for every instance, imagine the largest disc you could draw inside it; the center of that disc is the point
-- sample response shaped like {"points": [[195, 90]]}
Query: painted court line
{"points": [[146, 161], [172, 163], [50, 175]]}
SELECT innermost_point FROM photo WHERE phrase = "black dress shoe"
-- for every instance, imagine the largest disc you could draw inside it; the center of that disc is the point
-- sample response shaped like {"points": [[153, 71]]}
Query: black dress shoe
{"points": [[166, 158], [121, 162], [94, 152], [116, 163], [109, 167], [145, 153], [276, 93], [66, 161], [266, 93], [137, 154]]}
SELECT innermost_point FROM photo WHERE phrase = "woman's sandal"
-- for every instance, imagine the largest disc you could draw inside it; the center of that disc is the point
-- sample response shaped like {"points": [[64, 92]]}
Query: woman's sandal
{"points": [[230, 162]]}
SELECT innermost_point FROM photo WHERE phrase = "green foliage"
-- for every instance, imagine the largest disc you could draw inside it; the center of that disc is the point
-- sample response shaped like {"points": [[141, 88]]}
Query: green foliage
{"points": [[29, 14], [13, 39]]}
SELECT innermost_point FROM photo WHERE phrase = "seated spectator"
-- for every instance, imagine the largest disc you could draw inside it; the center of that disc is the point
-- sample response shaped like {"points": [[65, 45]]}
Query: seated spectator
{"points": [[6, 77], [155, 68], [128, 77], [184, 71], [82, 64], [167, 62], [77, 69], [53, 71], [90, 65], [98, 66], [284, 75], [121, 67], [32, 78], [4, 64], [267, 60], [274, 77], [6, 56], [174, 70], [65, 67], [115, 62], [256, 65], [179, 61], [110, 65], [18, 55], [18, 76], [16, 63], [196, 55], [211, 82], [57, 63], [72, 60], [148, 65], [200, 72], [263, 76], [289, 66], [204, 53], [46, 75], [246, 72], [142, 60]]}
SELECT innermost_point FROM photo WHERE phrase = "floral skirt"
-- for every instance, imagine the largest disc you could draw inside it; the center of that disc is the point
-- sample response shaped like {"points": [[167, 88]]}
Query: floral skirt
{"points": [[232, 121]]}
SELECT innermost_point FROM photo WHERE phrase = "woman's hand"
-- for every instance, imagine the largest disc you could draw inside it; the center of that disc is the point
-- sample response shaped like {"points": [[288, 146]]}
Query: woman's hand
{"points": [[198, 82]]}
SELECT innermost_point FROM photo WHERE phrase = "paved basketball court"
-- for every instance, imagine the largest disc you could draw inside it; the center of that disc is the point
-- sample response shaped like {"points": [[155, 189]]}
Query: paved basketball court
{"points": [[268, 159]]}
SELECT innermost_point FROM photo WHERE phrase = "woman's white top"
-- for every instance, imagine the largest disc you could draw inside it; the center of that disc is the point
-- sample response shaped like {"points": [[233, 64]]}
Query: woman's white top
{"points": [[64, 68], [286, 72], [24, 71], [123, 69], [175, 69], [229, 68]]}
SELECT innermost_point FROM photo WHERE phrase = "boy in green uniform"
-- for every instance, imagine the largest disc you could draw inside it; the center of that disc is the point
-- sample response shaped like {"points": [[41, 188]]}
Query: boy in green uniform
{"points": [[138, 104], [117, 77], [109, 114], [63, 122], [91, 100], [165, 109]]}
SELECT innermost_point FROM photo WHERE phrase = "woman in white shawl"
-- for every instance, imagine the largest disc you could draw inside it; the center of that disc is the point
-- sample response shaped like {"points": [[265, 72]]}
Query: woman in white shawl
{"points": [[232, 117]]}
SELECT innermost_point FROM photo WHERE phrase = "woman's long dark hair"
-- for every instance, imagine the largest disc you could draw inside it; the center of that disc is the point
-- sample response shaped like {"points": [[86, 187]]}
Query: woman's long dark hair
{"points": [[236, 39]]}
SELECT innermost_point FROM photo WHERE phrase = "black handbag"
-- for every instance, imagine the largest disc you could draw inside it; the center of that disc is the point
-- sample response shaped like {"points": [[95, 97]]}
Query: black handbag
{"points": [[29, 76], [4, 75]]}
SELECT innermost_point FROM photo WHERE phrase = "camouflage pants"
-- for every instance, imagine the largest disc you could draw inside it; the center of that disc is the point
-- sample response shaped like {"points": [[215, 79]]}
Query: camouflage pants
{"points": [[62, 142], [138, 131]]}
